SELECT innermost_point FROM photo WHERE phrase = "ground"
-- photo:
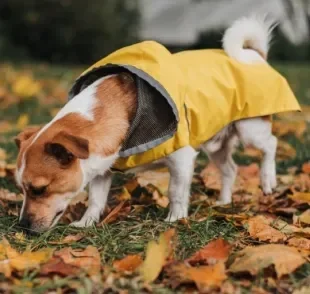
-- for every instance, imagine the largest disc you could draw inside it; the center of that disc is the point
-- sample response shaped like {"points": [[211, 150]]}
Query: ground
{"points": [[66, 259]]}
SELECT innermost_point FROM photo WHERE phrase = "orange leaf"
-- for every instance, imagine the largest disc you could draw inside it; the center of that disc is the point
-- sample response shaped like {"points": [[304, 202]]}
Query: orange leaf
{"points": [[57, 266], [300, 243], [306, 168], [254, 259], [87, 259], [68, 239], [206, 278], [300, 197], [217, 250], [129, 263], [259, 228], [114, 213]]}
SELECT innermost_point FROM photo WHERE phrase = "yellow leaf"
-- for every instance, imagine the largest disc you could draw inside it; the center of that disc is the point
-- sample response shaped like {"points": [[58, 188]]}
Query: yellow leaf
{"points": [[25, 86], [300, 196], [22, 121], [305, 217], [156, 256]]}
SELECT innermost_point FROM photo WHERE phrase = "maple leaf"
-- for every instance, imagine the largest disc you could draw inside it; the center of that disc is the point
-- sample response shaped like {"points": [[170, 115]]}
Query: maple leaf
{"points": [[156, 256], [301, 197], [300, 243], [259, 228], [205, 277], [254, 259], [216, 250], [128, 264]]}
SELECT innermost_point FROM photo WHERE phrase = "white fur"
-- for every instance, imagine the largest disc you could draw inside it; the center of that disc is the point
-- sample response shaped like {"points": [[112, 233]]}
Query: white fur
{"points": [[255, 32], [82, 103]]}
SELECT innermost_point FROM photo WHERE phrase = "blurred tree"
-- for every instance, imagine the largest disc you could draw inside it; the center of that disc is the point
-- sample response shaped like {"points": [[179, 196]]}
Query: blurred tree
{"points": [[67, 30]]}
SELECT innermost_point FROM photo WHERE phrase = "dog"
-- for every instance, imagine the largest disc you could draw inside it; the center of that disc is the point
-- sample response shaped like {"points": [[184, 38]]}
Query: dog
{"points": [[143, 108]]}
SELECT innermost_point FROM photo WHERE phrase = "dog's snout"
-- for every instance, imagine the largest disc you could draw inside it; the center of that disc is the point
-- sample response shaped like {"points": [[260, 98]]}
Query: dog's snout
{"points": [[25, 223]]}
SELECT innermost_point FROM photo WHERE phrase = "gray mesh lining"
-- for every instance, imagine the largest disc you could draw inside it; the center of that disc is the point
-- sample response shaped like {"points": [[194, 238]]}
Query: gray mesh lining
{"points": [[156, 118]]}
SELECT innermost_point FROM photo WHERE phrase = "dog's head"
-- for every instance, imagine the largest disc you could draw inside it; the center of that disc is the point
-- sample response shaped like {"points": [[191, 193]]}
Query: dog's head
{"points": [[49, 173]]}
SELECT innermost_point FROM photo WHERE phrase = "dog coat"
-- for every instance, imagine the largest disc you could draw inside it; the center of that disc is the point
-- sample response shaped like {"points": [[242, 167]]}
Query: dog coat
{"points": [[187, 97]]}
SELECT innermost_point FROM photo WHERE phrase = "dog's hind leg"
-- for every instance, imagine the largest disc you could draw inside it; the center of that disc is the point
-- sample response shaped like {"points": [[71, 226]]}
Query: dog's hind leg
{"points": [[181, 166], [257, 132], [222, 157]]}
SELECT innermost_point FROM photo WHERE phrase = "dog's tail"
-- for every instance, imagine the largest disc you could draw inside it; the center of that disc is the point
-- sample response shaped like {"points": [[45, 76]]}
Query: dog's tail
{"points": [[248, 39]]}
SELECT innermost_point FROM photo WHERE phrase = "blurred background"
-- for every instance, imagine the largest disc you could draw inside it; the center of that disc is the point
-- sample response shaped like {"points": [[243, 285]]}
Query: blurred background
{"points": [[46, 44], [71, 31]]}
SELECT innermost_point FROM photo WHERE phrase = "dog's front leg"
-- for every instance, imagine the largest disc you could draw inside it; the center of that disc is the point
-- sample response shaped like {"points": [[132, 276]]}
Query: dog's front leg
{"points": [[181, 167], [98, 193]]}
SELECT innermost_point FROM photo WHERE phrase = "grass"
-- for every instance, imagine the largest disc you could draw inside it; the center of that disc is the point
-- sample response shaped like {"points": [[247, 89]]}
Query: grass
{"points": [[131, 235]]}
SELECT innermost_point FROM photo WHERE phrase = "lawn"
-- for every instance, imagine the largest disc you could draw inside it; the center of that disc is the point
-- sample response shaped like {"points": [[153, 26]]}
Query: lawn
{"points": [[119, 255]]}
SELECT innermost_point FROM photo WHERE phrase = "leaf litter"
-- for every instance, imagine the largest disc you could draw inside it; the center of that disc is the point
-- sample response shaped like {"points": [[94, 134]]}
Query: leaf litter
{"points": [[273, 232]]}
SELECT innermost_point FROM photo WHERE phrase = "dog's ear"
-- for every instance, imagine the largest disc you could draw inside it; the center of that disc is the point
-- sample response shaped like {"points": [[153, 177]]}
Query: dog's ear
{"points": [[25, 135], [66, 147]]}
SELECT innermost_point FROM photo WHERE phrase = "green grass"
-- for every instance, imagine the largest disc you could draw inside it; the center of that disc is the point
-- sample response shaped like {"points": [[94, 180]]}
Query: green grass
{"points": [[131, 235]]}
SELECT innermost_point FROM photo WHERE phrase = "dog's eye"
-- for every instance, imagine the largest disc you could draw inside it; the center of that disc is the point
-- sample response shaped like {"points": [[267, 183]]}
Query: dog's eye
{"points": [[37, 191]]}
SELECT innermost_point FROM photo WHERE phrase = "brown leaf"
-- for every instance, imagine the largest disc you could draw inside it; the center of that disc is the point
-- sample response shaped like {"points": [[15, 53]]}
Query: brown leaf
{"points": [[211, 177], [68, 239], [128, 264], [123, 208], [57, 266], [206, 278], [300, 243], [259, 228], [216, 250], [88, 259], [254, 259], [284, 127], [306, 168]]}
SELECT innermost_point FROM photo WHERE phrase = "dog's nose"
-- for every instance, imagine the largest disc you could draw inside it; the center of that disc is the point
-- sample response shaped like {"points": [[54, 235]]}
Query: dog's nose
{"points": [[25, 224]]}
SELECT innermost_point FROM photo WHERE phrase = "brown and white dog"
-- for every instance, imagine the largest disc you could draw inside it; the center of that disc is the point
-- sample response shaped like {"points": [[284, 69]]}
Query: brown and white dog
{"points": [[80, 145]]}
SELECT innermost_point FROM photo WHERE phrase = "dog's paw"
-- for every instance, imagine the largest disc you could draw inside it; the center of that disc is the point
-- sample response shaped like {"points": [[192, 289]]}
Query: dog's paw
{"points": [[172, 217], [83, 223], [222, 202]]}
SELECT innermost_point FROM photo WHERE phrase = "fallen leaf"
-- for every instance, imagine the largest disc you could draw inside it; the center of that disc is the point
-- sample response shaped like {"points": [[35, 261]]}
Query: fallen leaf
{"points": [[285, 150], [216, 250], [57, 266], [6, 195], [302, 290], [254, 259], [301, 197], [22, 121], [211, 177], [306, 168], [156, 256], [11, 260], [115, 212], [25, 86], [88, 259], [305, 217], [284, 127], [68, 239], [206, 278], [159, 178], [259, 228], [128, 264], [300, 243]]}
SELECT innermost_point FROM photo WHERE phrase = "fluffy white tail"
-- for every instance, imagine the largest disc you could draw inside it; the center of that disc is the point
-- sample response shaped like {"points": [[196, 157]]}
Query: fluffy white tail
{"points": [[247, 40]]}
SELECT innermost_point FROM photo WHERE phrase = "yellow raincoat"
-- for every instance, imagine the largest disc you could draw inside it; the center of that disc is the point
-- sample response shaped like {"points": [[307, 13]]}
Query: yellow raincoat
{"points": [[205, 91]]}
